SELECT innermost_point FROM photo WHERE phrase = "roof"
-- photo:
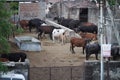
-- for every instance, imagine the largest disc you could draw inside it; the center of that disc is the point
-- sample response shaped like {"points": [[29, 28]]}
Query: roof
{"points": [[52, 1], [79, 4]]}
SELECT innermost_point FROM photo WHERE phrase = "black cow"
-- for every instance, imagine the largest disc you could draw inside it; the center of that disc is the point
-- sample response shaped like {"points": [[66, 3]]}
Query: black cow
{"points": [[92, 48], [59, 19], [87, 27], [16, 56], [35, 23], [74, 24], [63, 21], [115, 51]]}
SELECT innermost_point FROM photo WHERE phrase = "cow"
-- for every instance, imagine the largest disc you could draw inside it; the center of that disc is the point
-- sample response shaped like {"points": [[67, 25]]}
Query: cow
{"points": [[115, 51], [92, 48], [61, 34], [3, 60], [14, 56], [46, 29], [35, 23], [77, 42], [74, 24], [63, 21], [24, 23], [90, 36], [87, 27]]}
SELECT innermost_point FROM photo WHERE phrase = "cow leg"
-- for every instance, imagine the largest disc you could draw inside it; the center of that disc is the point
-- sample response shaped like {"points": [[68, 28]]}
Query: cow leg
{"points": [[96, 55], [72, 48], [53, 38], [83, 49], [87, 56], [62, 37], [30, 28], [39, 35], [50, 36]]}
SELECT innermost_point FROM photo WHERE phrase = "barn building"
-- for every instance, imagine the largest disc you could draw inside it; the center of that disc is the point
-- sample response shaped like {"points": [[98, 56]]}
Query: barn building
{"points": [[84, 10]]}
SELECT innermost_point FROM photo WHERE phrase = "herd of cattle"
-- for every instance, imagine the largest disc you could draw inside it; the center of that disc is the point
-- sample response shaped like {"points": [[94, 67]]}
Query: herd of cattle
{"points": [[88, 41]]}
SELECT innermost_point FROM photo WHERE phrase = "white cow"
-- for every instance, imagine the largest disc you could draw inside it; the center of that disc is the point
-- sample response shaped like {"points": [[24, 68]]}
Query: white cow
{"points": [[60, 34]]}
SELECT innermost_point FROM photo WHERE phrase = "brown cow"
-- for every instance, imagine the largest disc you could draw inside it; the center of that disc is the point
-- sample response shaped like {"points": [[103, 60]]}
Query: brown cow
{"points": [[87, 24], [24, 24], [3, 60], [78, 42], [90, 36]]}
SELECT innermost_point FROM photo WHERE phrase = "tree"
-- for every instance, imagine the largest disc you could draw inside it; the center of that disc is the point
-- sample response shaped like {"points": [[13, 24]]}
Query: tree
{"points": [[5, 30], [5, 27], [112, 2]]}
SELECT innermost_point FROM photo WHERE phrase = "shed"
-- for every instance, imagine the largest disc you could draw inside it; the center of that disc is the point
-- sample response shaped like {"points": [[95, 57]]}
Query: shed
{"points": [[83, 10]]}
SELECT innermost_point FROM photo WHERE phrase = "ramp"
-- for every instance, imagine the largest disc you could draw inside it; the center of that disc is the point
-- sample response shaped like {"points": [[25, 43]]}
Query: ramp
{"points": [[72, 33]]}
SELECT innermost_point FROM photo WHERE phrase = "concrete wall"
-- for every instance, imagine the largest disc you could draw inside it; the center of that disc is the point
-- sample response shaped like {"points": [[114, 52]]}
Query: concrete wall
{"points": [[19, 67], [92, 70]]}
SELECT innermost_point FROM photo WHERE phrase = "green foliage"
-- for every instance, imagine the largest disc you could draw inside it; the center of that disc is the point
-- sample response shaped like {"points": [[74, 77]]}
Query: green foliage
{"points": [[3, 68], [4, 11], [19, 30], [4, 45], [5, 26], [14, 5], [112, 2], [5, 30]]}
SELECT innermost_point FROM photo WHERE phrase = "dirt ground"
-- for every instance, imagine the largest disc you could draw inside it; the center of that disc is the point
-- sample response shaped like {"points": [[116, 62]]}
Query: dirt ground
{"points": [[52, 54]]}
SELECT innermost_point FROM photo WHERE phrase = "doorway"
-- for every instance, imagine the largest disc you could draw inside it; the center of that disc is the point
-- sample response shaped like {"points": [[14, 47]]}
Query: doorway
{"points": [[83, 14]]}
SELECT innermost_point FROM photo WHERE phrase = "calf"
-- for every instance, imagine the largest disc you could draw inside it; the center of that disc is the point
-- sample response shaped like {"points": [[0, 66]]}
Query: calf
{"points": [[16, 57]]}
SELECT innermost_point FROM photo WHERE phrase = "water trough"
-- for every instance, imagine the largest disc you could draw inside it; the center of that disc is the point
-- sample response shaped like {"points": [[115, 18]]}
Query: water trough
{"points": [[28, 43]]}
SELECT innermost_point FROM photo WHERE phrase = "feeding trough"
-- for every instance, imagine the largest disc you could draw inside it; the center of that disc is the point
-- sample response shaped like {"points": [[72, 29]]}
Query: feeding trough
{"points": [[28, 43]]}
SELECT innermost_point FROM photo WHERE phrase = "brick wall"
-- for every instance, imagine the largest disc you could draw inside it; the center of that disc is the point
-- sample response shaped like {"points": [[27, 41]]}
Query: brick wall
{"points": [[32, 10]]}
